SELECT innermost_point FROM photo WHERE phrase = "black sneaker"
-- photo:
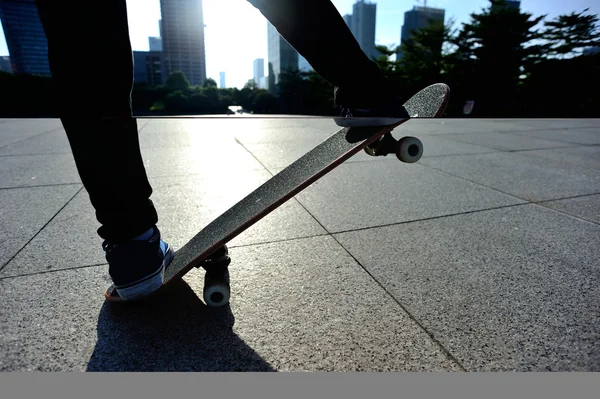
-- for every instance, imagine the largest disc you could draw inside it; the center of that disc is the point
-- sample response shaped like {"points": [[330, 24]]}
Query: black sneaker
{"points": [[137, 268], [388, 113]]}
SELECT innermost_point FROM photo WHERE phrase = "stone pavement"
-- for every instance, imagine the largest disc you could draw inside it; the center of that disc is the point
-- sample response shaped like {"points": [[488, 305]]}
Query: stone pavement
{"points": [[482, 256]]}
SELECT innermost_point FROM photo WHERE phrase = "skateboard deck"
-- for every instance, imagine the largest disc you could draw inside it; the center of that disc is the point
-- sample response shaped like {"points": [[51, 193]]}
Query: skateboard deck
{"points": [[208, 250]]}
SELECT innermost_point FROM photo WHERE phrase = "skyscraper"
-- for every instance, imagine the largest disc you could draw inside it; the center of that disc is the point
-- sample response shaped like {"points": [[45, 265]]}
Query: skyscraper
{"points": [[182, 32], [155, 43], [510, 4], [282, 56], [418, 18], [221, 80], [25, 37], [147, 67], [259, 69], [362, 25], [5, 64]]}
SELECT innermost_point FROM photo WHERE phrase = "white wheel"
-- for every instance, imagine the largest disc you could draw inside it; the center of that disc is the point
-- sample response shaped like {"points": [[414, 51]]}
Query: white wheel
{"points": [[410, 149], [216, 295]]}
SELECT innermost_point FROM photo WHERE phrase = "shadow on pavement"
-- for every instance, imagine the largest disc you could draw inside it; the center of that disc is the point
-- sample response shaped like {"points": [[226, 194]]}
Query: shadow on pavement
{"points": [[175, 331]]}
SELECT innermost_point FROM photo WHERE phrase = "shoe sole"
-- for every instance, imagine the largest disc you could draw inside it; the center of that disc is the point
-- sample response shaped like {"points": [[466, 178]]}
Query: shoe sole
{"points": [[366, 122]]}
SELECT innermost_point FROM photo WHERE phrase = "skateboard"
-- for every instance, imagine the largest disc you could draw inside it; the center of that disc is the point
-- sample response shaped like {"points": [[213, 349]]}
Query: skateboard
{"points": [[208, 248]]}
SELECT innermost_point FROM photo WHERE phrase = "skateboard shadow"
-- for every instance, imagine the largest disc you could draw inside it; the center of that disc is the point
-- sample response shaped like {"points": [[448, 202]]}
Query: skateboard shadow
{"points": [[175, 331]]}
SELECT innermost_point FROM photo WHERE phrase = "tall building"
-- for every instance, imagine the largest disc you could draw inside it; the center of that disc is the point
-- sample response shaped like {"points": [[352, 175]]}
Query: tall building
{"points": [[5, 64], [514, 4], [155, 43], [303, 65], [147, 67], [25, 37], [417, 18], [222, 80], [282, 56], [362, 25], [182, 32], [259, 70]]}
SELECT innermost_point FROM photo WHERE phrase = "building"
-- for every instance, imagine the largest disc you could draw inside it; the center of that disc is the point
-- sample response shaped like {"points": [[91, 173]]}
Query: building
{"points": [[303, 65], [282, 56], [182, 33], [147, 67], [5, 64], [362, 25], [510, 4], [155, 43], [222, 80], [417, 18], [263, 82], [25, 37], [259, 70]]}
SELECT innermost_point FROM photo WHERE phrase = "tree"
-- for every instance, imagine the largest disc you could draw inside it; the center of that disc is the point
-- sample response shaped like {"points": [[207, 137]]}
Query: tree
{"points": [[210, 83], [423, 59], [570, 34], [494, 51], [178, 81]]}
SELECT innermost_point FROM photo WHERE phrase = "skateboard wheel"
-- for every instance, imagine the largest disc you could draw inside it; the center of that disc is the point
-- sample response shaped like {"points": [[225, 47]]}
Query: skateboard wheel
{"points": [[216, 295], [409, 150], [216, 288]]}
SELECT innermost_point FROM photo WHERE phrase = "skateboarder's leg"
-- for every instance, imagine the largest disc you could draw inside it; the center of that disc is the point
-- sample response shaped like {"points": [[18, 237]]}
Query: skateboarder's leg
{"points": [[92, 68], [319, 33]]}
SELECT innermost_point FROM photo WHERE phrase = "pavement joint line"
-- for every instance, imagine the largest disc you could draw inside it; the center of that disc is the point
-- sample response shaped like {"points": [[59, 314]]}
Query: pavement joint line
{"points": [[477, 183], [518, 131], [52, 271], [31, 137], [412, 317], [540, 204], [39, 185], [431, 336], [450, 215], [41, 229], [519, 150], [32, 155]]}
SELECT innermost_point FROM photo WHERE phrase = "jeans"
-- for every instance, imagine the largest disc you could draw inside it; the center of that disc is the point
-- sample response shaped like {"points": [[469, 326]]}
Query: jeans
{"points": [[92, 67]]}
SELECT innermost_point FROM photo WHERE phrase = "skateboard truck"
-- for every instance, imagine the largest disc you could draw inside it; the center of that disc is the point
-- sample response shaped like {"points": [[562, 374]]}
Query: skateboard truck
{"points": [[407, 149], [217, 260]]}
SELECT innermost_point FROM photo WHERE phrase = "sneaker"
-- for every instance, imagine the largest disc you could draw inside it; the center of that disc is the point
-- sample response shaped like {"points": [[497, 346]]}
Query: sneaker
{"points": [[137, 267], [385, 114]]}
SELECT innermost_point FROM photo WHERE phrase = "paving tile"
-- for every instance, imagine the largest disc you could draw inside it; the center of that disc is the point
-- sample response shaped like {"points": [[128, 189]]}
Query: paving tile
{"points": [[366, 194], [584, 136], [587, 207], [183, 161], [24, 211], [14, 130], [512, 289], [504, 141], [37, 170], [185, 205], [580, 156], [528, 177], [54, 142], [299, 306]]}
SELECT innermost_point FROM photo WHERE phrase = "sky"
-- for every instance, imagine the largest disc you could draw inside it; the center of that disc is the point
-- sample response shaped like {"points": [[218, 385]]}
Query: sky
{"points": [[236, 32]]}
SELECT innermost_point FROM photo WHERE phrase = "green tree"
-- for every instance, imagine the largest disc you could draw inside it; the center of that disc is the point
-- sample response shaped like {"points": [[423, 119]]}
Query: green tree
{"points": [[178, 81], [494, 51], [424, 57], [210, 83], [291, 88], [570, 34]]}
